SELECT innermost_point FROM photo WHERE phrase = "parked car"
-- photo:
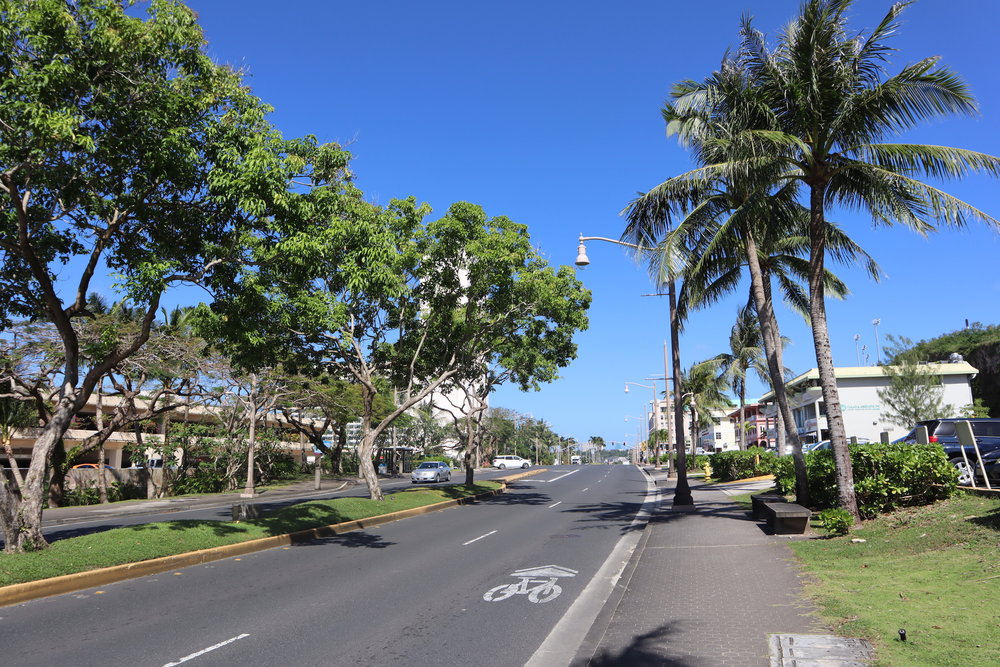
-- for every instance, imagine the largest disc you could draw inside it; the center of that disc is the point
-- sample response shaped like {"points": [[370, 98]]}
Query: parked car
{"points": [[80, 466], [431, 471], [510, 461], [942, 431], [991, 461]]}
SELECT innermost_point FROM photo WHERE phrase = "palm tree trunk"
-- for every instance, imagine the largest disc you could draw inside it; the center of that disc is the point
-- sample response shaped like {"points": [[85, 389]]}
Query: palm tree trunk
{"points": [[682, 490], [824, 358], [760, 289]]}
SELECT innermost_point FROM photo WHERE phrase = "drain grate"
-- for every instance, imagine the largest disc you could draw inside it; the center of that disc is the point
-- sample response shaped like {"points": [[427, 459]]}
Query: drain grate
{"points": [[819, 651]]}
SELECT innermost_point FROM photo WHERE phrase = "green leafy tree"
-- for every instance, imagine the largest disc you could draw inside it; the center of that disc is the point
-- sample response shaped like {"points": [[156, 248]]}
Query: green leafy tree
{"points": [[377, 293], [121, 145], [915, 392]]}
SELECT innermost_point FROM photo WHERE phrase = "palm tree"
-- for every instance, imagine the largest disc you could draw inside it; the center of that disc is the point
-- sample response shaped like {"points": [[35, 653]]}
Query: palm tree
{"points": [[745, 353], [730, 219], [832, 106], [705, 391]]}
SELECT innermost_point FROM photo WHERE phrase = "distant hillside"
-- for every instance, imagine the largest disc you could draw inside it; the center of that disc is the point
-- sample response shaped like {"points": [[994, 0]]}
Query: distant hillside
{"points": [[980, 345]]}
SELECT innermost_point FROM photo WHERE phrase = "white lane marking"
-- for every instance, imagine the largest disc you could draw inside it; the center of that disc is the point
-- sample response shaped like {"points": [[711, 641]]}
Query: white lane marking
{"points": [[478, 538], [553, 505], [587, 489], [204, 651], [572, 472]]}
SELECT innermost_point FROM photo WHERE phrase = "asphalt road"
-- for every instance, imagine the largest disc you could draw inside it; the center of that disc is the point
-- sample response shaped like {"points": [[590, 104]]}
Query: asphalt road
{"points": [[406, 593]]}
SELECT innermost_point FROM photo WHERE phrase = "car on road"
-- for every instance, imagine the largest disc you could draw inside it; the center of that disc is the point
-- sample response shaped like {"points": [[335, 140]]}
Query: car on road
{"points": [[510, 461], [431, 471], [943, 432]]}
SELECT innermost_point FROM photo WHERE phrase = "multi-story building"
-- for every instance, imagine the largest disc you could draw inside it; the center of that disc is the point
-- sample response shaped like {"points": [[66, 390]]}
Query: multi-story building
{"points": [[757, 427], [865, 415]]}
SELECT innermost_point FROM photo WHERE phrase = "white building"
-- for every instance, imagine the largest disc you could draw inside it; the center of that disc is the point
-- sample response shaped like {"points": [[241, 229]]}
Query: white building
{"points": [[721, 435], [865, 416]]}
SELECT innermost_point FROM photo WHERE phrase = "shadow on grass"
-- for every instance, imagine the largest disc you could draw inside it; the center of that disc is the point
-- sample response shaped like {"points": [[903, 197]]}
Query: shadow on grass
{"points": [[991, 520], [645, 649], [219, 528]]}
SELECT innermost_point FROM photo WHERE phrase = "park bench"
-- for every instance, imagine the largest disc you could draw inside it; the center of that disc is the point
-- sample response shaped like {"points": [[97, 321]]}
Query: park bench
{"points": [[757, 503], [784, 518]]}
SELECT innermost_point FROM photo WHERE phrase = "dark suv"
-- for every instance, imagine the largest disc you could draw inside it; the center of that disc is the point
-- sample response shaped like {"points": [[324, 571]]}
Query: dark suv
{"points": [[942, 431]]}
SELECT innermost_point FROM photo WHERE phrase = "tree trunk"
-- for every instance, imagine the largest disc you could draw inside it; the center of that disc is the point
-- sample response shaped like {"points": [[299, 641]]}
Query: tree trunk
{"points": [[682, 490], [824, 358], [22, 518], [57, 478], [761, 290], [742, 435], [102, 480], [248, 491]]}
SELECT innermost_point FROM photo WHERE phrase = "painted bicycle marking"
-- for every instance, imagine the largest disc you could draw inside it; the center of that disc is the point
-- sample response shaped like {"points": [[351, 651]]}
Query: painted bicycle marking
{"points": [[538, 583]]}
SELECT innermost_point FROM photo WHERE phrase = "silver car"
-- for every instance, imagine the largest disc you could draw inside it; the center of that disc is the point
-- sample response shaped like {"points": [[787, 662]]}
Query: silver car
{"points": [[431, 471]]}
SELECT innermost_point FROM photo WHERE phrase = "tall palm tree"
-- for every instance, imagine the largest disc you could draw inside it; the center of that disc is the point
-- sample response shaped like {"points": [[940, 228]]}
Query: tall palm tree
{"points": [[733, 219], [833, 104]]}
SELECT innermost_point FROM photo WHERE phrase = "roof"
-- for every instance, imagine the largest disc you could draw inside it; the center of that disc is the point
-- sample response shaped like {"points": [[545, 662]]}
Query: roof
{"points": [[848, 372]]}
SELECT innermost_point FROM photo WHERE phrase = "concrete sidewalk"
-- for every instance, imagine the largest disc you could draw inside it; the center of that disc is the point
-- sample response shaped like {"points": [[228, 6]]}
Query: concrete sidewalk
{"points": [[706, 587]]}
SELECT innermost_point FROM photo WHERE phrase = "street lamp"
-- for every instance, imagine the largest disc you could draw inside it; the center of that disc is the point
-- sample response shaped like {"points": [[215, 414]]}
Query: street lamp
{"points": [[878, 348], [649, 429], [682, 491]]}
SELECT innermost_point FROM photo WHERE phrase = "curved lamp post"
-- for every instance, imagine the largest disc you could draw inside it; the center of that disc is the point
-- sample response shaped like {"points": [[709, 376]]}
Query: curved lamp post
{"points": [[682, 491]]}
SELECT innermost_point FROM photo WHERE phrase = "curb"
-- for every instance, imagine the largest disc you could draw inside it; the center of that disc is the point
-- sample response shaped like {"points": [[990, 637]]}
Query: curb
{"points": [[67, 583], [748, 479]]}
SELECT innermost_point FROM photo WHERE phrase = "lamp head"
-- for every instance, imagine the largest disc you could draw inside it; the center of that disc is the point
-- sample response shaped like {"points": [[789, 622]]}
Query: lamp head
{"points": [[581, 254], [626, 388]]}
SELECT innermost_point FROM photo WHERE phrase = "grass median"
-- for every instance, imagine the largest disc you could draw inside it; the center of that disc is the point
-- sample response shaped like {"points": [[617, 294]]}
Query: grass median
{"points": [[132, 544]]}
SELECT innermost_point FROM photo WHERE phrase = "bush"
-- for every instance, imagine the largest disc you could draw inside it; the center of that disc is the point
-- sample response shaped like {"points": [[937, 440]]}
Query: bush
{"points": [[753, 462], [836, 521], [886, 476]]}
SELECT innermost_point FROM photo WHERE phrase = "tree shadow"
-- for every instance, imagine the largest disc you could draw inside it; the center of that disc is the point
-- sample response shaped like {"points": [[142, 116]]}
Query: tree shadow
{"points": [[353, 539], [645, 649], [991, 520], [604, 513]]}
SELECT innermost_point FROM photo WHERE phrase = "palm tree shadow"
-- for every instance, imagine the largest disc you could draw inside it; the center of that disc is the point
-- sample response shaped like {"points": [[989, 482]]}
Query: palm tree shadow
{"points": [[645, 649]]}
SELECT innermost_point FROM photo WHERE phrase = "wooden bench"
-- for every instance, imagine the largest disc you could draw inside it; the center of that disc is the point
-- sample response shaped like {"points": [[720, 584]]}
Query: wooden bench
{"points": [[787, 518], [757, 503]]}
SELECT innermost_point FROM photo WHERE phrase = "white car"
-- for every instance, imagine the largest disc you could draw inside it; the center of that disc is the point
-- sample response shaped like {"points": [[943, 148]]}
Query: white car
{"points": [[431, 471], [510, 461]]}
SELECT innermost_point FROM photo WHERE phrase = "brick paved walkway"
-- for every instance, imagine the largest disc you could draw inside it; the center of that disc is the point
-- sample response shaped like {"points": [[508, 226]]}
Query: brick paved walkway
{"points": [[707, 588]]}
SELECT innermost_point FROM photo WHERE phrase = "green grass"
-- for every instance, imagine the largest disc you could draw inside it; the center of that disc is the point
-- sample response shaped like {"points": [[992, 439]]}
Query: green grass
{"points": [[933, 571], [132, 544]]}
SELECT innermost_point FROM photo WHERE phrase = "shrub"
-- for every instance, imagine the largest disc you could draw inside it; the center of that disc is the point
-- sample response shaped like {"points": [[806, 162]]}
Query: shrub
{"points": [[753, 462], [886, 476], [836, 521]]}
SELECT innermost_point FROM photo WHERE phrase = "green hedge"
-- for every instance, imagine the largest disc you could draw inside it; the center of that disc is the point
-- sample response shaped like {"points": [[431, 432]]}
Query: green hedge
{"points": [[734, 465], [886, 476]]}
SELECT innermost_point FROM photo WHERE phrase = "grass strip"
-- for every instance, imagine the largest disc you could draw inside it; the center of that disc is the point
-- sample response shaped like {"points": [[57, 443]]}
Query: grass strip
{"points": [[930, 570], [132, 544]]}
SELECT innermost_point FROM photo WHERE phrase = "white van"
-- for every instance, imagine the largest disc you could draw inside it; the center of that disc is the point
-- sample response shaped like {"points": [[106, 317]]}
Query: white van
{"points": [[575, 460]]}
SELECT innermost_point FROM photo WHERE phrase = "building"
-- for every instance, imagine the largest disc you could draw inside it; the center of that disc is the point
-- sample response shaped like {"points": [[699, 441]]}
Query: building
{"points": [[864, 414], [720, 436], [758, 428]]}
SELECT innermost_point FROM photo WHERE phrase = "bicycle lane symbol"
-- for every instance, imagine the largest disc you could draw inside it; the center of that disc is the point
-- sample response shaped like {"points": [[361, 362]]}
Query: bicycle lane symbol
{"points": [[544, 588]]}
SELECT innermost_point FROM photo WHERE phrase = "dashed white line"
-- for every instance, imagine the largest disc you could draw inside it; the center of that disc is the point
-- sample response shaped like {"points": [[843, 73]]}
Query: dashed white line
{"points": [[561, 476], [554, 504], [206, 650], [478, 538], [584, 489]]}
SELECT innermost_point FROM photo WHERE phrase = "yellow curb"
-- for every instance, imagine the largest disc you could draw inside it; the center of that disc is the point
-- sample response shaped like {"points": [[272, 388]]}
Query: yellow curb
{"points": [[67, 583], [520, 475], [748, 479]]}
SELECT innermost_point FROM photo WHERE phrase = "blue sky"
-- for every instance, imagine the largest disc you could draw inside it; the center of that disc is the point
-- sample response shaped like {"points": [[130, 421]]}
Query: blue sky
{"points": [[548, 112]]}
